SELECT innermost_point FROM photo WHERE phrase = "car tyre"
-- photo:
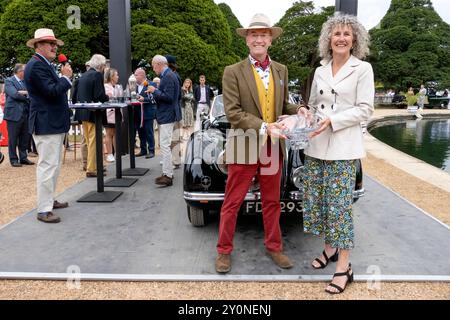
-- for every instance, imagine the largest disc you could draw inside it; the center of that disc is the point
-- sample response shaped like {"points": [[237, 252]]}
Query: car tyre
{"points": [[197, 216]]}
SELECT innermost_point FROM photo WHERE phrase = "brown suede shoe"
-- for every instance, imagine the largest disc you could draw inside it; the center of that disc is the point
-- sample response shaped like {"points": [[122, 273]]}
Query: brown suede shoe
{"points": [[60, 205], [280, 259], [93, 174], [48, 217], [164, 181], [223, 263]]}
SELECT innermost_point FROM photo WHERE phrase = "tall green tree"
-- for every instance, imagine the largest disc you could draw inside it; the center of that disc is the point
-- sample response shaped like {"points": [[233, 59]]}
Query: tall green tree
{"points": [[411, 46], [3, 4], [203, 15], [22, 17], [194, 56], [195, 31], [297, 47], [238, 45]]}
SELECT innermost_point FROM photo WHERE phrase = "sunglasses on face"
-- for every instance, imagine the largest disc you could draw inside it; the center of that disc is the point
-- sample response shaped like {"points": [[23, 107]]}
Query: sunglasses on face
{"points": [[52, 44]]}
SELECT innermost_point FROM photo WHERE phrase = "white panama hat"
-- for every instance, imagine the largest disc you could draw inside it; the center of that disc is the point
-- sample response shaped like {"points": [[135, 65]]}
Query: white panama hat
{"points": [[44, 35], [260, 21]]}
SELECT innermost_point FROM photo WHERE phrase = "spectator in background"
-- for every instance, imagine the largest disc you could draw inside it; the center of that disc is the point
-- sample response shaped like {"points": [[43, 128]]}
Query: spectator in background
{"points": [[17, 112], [167, 99], [2, 157], [157, 81], [49, 119], [113, 92], [187, 107], [31, 149], [176, 137], [90, 89], [84, 149], [410, 97], [203, 95], [422, 97], [147, 116]]}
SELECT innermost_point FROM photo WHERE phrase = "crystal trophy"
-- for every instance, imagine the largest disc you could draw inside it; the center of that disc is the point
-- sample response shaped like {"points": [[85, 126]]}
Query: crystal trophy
{"points": [[298, 128]]}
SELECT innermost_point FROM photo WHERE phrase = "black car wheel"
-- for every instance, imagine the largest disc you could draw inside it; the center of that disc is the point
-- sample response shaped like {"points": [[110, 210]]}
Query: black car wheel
{"points": [[197, 216]]}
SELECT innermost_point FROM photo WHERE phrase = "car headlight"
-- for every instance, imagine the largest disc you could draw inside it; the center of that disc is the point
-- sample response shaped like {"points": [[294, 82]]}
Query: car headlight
{"points": [[212, 145], [297, 177], [221, 165]]}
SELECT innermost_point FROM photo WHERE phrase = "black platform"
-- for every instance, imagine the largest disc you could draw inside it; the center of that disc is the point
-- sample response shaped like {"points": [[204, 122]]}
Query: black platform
{"points": [[120, 183], [105, 196]]}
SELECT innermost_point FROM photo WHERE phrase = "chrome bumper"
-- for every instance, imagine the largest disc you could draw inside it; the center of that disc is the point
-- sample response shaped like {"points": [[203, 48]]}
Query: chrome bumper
{"points": [[200, 196], [255, 196]]}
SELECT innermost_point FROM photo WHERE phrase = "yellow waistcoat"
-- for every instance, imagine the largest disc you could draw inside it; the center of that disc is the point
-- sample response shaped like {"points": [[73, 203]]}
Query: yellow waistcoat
{"points": [[266, 97]]}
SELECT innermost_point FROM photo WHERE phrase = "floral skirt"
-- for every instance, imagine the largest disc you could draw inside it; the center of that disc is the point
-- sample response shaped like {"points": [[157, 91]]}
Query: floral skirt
{"points": [[188, 115], [328, 198]]}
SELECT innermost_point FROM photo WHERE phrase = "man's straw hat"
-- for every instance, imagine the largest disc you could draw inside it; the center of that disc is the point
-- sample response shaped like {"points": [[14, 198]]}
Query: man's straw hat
{"points": [[260, 21], [44, 35]]}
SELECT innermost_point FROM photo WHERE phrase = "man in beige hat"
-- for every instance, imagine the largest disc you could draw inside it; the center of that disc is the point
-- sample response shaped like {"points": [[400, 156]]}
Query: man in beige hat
{"points": [[255, 94], [49, 118]]}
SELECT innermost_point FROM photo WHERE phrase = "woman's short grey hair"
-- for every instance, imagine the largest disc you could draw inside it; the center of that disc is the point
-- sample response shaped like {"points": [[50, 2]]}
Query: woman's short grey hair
{"points": [[97, 61], [160, 59], [361, 37]]}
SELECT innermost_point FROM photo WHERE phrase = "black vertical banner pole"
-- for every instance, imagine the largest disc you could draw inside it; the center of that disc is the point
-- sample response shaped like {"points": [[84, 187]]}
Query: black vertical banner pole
{"points": [[347, 6], [119, 14]]}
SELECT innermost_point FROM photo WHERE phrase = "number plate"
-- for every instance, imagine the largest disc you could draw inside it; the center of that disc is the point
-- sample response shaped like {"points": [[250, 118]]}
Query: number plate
{"points": [[252, 207]]}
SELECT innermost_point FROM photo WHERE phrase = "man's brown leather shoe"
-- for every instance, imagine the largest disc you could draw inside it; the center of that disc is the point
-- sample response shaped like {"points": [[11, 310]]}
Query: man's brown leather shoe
{"points": [[60, 205], [223, 263], [48, 217], [164, 181], [93, 174], [280, 259], [27, 162]]}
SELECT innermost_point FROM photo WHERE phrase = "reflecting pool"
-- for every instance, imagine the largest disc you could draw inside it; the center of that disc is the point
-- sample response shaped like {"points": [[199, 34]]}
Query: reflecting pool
{"points": [[428, 140]]}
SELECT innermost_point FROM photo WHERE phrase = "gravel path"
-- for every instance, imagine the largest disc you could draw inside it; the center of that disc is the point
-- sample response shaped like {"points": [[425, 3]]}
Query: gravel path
{"points": [[18, 196]]}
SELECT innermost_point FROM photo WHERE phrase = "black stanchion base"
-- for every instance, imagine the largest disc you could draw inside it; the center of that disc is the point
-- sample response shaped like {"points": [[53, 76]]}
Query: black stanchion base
{"points": [[135, 172], [106, 196], [123, 182]]}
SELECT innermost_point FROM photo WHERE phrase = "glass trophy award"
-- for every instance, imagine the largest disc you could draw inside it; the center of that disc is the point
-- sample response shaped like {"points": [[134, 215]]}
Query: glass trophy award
{"points": [[298, 128]]}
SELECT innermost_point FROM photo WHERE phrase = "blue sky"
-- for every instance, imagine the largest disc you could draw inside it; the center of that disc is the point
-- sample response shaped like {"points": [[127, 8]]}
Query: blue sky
{"points": [[370, 12]]}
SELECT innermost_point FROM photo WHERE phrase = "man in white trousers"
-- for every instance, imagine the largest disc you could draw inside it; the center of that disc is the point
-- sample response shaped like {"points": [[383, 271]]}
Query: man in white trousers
{"points": [[49, 117], [167, 113]]}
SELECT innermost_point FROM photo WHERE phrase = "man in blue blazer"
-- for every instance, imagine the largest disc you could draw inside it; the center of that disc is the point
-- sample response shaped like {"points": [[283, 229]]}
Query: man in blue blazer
{"points": [[145, 117], [17, 109], [49, 117], [203, 95], [167, 113]]}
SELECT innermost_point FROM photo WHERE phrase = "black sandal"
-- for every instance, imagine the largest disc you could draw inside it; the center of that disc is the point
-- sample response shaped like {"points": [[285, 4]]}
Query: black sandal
{"points": [[341, 274], [333, 258]]}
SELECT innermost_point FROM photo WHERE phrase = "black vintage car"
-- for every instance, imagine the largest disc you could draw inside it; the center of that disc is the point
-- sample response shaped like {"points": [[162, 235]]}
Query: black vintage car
{"points": [[205, 174]]}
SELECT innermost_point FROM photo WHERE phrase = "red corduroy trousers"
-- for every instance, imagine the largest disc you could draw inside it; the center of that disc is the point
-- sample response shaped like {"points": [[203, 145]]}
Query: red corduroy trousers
{"points": [[268, 171]]}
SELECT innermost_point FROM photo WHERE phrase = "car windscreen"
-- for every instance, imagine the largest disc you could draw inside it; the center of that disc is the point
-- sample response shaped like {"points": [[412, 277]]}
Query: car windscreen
{"points": [[218, 109]]}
